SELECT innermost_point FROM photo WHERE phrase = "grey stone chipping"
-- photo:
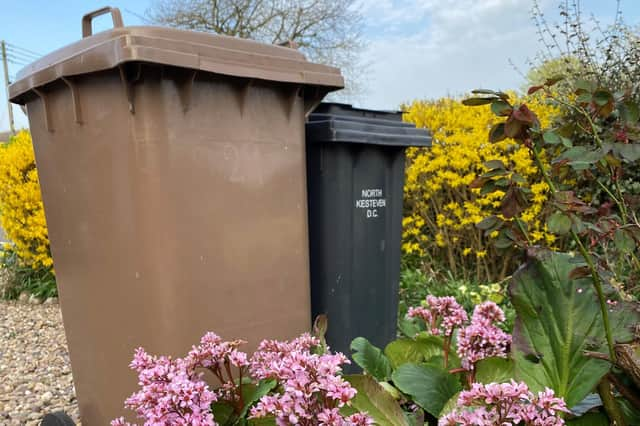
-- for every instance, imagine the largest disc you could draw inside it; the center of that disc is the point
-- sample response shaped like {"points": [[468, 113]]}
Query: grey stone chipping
{"points": [[35, 372]]}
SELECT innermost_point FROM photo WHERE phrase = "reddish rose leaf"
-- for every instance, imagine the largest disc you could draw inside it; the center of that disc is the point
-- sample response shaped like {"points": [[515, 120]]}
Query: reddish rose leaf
{"points": [[533, 89]]}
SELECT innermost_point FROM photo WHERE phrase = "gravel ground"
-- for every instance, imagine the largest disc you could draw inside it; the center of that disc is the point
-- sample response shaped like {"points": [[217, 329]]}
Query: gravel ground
{"points": [[35, 374]]}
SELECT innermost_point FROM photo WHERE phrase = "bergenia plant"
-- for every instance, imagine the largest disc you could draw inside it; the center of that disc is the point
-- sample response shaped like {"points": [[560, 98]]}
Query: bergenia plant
{"points": [[505, 404], [313, 390], [477, 340], [172, 393], [588, 160], [286, 381], [482, 339], [442, 316], [469, 389]]}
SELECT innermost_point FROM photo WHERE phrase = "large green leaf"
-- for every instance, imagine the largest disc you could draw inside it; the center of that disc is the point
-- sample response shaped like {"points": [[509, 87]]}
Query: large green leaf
{"points": [[451, 405], [495, 370], [371, 359], [429, 386], [410, 327], [223, 413], [437, 361], [375, 401], [424, 348], [402, 351], [557, 319]]}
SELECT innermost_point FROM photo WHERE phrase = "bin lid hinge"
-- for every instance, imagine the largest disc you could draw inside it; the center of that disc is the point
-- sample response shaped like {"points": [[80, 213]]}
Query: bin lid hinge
{"points": [[291, 96], [184, 84], [312, 97], [130, 74], [243, 92], [45, 106]]}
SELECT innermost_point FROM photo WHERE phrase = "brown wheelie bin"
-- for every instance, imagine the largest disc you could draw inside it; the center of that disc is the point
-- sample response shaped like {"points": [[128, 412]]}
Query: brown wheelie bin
{"points": [[172, 168]]}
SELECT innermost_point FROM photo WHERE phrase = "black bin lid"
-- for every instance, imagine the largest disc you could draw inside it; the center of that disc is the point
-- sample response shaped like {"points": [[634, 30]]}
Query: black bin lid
{"points": [[336, 122]]}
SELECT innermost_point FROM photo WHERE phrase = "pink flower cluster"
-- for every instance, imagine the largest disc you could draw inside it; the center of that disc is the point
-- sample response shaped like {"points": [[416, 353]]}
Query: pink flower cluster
{"points": [[482, 338], [441, 314], [313, 390], [504, 404], [172, 393], [478, 340], [219, 356]]}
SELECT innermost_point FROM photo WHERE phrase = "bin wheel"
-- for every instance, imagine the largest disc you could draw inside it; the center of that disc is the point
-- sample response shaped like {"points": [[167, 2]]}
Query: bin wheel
{"points": [[59, 418]]}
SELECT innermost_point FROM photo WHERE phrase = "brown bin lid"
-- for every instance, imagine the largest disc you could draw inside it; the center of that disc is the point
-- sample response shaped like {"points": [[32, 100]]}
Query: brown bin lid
{"points": [[168, 46]]}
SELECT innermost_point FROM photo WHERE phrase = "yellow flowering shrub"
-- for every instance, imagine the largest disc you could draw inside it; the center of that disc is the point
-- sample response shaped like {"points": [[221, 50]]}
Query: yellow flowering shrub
{"points": [[21, 209], [441, 211]]}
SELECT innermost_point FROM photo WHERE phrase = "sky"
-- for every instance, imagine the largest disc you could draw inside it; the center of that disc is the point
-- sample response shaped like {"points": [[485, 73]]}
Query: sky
{"points": [[415, 49]]}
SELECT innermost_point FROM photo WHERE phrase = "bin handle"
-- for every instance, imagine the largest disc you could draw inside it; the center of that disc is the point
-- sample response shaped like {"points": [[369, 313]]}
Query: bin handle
{"points": [[115, 16]]}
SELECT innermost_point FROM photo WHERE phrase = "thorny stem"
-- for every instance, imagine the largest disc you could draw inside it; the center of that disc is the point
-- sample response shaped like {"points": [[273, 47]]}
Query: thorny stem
{"points": [[524, 232], [635, 259], [623, 207], [619, 200], [635, 223], [609, 193], [597, 281]]}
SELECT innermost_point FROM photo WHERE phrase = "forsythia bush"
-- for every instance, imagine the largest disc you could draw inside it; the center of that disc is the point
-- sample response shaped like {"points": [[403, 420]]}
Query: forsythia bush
{"points": [[21, 209], [441, 211]]}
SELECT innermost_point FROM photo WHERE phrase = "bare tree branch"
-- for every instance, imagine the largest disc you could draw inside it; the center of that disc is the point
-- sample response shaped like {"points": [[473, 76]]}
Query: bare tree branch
{"points": [[326, 31], [608, 54]]}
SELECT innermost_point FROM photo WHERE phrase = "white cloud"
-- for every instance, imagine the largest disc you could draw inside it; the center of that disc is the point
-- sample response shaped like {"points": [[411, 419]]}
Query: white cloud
{"points": [[456, 46]]}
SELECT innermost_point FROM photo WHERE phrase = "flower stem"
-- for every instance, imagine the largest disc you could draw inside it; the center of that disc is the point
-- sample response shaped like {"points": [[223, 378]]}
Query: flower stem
{"points": [[446, 348], [597, 281]]}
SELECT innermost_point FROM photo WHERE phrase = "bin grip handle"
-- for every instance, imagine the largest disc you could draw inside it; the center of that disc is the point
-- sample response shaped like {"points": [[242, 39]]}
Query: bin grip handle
{"points": [[115, 16]]}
